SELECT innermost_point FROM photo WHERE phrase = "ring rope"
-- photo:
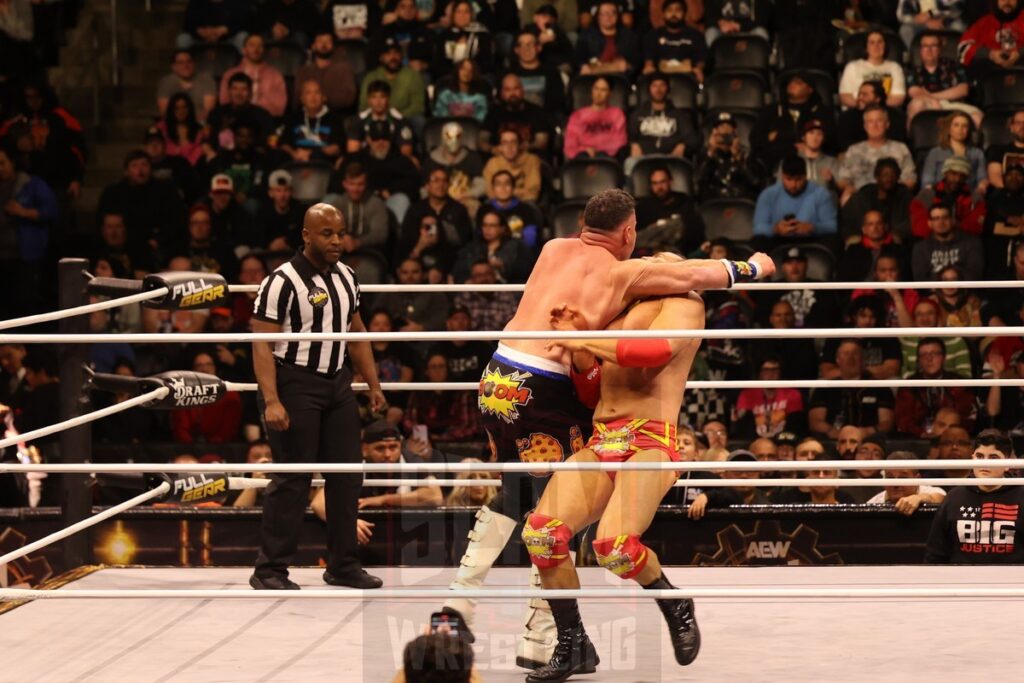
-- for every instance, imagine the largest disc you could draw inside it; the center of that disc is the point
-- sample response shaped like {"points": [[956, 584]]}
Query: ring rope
{"points": [[767, 592], [82, 310], [490, 335], [724, 483], [522, 467]]}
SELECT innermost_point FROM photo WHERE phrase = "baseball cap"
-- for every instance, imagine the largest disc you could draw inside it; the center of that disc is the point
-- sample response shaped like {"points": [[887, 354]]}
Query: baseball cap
{"points": [[152, 133], [378, 130], [741, 455], [958, 164], [280, 177], [381, 431], [794, 254], [813, 124], [389, 44], [222, 182], [724, 117], [785, 439]]}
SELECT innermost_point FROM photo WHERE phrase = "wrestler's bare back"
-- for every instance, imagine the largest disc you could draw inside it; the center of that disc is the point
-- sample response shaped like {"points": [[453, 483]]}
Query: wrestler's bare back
{"points": [[654, 393]]}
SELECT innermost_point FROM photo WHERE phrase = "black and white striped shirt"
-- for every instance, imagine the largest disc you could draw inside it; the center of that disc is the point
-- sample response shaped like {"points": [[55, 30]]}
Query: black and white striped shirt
{"points": [[301, 299]]}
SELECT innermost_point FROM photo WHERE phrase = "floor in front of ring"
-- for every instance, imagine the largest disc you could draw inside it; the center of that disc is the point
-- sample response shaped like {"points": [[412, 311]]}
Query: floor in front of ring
{"points": [[339, 640]]}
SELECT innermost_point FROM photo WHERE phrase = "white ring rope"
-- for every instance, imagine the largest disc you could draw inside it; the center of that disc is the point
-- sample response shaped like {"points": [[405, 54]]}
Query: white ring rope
{"points": [[490, 335], [709, 384], [766, 593], [160, 490], [156, 394], [82, 310], [744, 286], [721, 483], [527, 467]]}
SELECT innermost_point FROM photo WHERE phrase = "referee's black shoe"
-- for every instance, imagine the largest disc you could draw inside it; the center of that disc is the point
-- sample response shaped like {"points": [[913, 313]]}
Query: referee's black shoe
{"points": [[274, 582], [356, 578]]}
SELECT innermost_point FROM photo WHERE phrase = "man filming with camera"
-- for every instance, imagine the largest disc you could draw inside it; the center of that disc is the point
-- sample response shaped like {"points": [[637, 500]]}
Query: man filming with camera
{"points": [[726, 170]]}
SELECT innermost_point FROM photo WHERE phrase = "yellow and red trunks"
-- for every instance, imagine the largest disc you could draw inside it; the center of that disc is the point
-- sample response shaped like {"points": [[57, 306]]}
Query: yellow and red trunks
{"points": [[619, 440]]}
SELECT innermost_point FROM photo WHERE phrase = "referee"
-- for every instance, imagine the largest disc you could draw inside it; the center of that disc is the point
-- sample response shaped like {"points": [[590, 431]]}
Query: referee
{"points": [[306, 398]]}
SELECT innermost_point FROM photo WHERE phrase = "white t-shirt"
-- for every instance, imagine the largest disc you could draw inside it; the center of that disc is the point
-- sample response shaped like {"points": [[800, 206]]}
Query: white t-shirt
{"points": [[879, 498], [861, 70]]}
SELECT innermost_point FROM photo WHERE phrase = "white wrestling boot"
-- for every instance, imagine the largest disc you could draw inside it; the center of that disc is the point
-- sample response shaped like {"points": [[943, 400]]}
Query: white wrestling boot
{"points": [[537, 642], [487, 539]]}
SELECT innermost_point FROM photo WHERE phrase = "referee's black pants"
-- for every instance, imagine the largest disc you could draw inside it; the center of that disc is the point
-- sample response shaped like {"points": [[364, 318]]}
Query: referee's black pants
{"points": [[323, 428]]}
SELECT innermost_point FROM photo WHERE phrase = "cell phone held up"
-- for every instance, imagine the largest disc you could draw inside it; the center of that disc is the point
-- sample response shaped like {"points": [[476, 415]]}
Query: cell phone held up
{"points": [[452, 621]]}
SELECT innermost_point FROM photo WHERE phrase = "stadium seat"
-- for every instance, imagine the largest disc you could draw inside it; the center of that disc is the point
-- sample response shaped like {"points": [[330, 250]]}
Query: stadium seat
{"points": [[924, 129], [729, 218], [994, 129], [471, 129], [681, 170], [285, 57], [353, 51], [215, 59], [821, 264], [822, 82], [582, 178], [949, 41], [853, 47], [579, 91], [743, 52], [745, 121], [565, 219], [310, 179], [735, 90], [1003, 88]]}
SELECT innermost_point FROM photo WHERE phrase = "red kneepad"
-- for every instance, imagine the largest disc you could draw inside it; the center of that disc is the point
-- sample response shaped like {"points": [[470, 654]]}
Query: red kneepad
{"points": [[547, 540], [624, 556]]}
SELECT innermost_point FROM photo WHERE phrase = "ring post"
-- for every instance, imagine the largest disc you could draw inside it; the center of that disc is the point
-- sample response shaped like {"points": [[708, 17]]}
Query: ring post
{"points": [[75, 443]]}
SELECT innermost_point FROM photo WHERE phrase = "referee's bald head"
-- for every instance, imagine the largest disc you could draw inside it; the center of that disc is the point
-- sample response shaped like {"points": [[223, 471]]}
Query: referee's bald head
{"points": [[321, 214]]}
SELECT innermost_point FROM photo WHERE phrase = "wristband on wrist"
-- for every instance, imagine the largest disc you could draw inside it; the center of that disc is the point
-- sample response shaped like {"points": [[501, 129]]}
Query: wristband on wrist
{"points": [[741, 271]]}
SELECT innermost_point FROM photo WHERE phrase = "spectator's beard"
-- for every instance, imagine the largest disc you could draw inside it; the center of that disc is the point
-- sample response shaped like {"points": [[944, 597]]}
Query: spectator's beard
{"points": [[1006, 17], [674, 24]]}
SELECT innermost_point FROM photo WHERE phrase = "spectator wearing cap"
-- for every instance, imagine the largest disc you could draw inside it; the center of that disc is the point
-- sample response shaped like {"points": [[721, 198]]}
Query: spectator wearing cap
{"points": [[268, 87], [1000, 157], [200, 87], [231, 224], [524, 220], [851, 122], [183, 136], [335, 77], [659, 127], [597, 130], [906, 499], [736, 17], [952, 191], [768, 412], [780, 127], [916, 408], [366, 215], [466, 358], [881, 355], [464, 165], [511, 155], [218, 422], [793, 208], [279, 220], [663, 206], [873, 67], [447, 415], [408, 94], [1004, 226], [811, 307], [863, 251], [936, 82], [173, 169], [512, 110], [288, 21], [214, 21], [886, 195], [390, 174], [675, 47], [382, 444], [380, 115], [857, 167], [954, 140], [314, 132], [946, 246], [542, 81], [725, 169], [547, 25], [870, 409], [152, 209], [607, 46], [749, 495], [238, 108], [406, 29], [246, 164]]}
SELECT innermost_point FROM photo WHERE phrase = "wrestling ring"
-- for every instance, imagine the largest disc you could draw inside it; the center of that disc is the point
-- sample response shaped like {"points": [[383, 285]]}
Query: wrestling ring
{"points": [[843, 623]]}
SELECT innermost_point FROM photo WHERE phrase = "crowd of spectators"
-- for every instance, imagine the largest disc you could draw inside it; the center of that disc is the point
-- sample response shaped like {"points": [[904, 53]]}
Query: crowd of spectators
{"points": [[870, 141]]}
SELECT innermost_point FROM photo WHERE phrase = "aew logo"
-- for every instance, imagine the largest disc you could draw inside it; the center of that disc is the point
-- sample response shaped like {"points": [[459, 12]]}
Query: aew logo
{"points": [[186, 395], [197, 293], [766, 544], [195, 488]]}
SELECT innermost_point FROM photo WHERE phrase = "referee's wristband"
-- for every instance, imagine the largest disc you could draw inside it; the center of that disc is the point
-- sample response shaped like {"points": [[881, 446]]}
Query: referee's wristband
{"points": [[741, 271]]}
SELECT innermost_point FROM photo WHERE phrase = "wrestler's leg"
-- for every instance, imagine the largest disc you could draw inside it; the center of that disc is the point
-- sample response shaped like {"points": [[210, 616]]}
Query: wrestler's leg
{"points": [[617, 544]]}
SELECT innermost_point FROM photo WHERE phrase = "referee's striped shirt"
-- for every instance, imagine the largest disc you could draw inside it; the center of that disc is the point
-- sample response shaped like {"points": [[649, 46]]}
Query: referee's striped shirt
{"points": [[301, 299]]}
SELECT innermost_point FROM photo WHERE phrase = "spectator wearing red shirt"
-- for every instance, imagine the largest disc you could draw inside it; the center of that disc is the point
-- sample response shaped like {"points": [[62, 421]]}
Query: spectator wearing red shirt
{"points": [[268, 87], [216, 423], [768, 412], [993, 42], [953, 190], [916, 408], [597, 130]]}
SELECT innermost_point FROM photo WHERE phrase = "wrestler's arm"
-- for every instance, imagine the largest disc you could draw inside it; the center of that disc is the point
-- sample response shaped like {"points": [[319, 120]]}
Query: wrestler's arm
{"points": [[643, 278]]}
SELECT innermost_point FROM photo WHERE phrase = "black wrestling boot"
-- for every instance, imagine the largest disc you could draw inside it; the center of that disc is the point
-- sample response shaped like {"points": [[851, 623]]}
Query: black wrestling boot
{"points": [[574, 653], [682, 622]]}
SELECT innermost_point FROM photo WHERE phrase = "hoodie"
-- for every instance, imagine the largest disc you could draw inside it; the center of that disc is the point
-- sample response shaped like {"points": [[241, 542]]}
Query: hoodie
{"points": [[993, 32]]}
